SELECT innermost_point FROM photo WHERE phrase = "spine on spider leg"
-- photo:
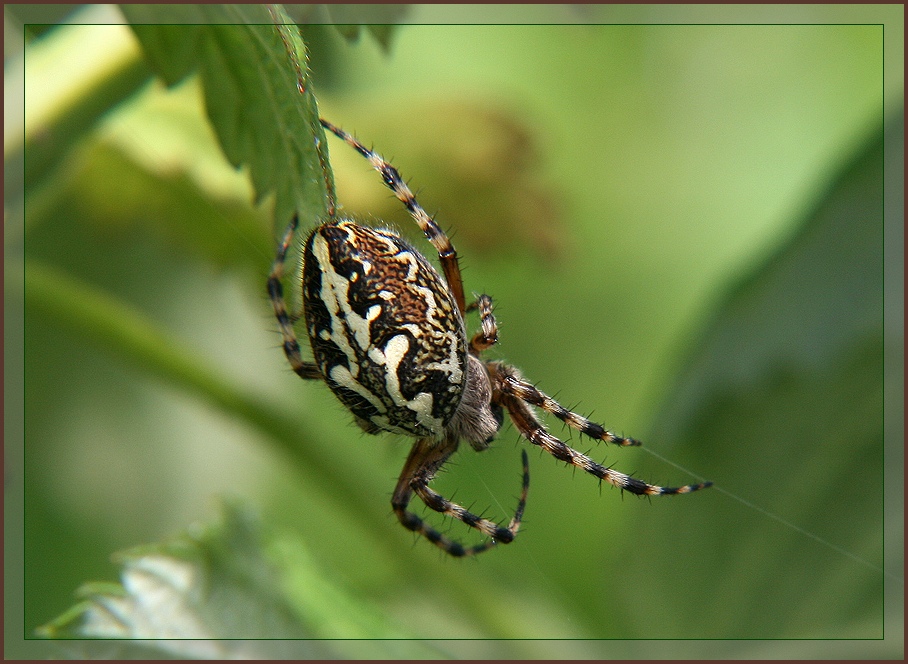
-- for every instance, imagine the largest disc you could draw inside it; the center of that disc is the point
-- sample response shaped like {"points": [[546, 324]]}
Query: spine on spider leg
{"points": [[624, 482], [641, 488], [534, 431], [512, 382], [613, 477]]}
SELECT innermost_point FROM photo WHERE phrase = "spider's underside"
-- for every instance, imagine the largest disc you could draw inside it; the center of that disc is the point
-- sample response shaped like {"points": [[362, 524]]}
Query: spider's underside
{"points": [[388, 336]]}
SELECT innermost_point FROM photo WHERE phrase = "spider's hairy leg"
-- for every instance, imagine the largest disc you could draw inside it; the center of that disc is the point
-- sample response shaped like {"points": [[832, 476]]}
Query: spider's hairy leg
{"points": [[447, 255], [285, 321], [488, 334], [426, 457], [510, 382], [533, 430]]}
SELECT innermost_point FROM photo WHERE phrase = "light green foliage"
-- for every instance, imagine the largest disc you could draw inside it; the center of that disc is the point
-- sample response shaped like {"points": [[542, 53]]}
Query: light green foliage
{"points": [[193, 595], [204, 586]]}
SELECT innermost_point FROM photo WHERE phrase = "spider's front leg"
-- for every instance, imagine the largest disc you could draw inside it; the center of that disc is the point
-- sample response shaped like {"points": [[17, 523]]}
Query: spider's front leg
{"points": [[426, 457], [515, 394], [291, 346], [509, 381]]}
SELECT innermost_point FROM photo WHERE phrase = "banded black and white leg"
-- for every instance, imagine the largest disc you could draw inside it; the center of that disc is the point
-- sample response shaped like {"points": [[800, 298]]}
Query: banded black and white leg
{"points": [[516, 396], [509, 381], [426, 457], [290, 344], [447, 255]]}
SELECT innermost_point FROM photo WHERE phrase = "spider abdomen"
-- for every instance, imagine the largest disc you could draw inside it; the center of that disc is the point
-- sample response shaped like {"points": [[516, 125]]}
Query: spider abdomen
{"points": [[385, 332]]}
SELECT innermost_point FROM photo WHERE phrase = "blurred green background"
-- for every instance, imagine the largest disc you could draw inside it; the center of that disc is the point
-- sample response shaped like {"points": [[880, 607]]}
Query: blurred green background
{"points": [[611, 186]]}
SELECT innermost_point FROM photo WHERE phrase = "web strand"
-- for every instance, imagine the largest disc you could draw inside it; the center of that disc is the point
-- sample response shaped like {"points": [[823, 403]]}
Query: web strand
{"points": [[778, 519]]}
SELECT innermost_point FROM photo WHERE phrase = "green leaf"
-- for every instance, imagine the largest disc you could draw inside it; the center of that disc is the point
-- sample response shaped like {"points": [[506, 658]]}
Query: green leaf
{"points": [[784, 401], [192, 591], [379, 20], [224, 591], [257, 94], [170, 49], [382, 34]]}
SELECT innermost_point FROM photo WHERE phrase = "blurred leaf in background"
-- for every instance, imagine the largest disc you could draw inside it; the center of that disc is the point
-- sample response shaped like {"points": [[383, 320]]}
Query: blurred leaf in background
{"points": [[194, 594], [793, 365], [644, 171], [186, 594]]}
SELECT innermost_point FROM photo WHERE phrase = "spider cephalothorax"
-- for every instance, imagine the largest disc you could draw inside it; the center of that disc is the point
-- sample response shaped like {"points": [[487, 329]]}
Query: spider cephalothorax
{"points": [[388, 336]]}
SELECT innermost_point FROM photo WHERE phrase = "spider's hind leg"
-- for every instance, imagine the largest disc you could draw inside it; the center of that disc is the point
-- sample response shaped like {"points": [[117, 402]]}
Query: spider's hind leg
{"points": [[426, 457]]}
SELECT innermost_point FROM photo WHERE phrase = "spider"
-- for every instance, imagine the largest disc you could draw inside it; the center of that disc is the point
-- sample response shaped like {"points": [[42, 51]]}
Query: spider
{"points": [[388, 336]]}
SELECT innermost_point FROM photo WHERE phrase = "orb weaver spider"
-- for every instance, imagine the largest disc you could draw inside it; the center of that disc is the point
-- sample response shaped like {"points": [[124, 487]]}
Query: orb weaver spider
{"points": [[389, 338]]}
